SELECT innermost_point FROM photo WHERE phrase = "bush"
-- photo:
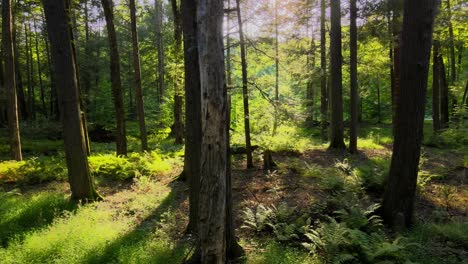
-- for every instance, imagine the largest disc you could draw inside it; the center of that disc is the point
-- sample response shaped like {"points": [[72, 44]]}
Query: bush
{"points": [[33, 171], [112, 167]]}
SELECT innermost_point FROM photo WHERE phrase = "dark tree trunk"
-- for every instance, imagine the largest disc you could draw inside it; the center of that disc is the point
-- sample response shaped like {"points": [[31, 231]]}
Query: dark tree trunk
{"points": [[436, 88], [137, 76], [212, 205], [336, 91], [10, 82], [245, 91], [178, 127], [323, 72], [444, 95], [121, 140], [22, 105], [32, 85], [379, 105], [58, 21], [3, 94], [39, 71], [353, 78], [192, 110], [275, 124], [453, 69], [86, 59], [396, 7], [159, 44], [54, 108], [399, 194]]}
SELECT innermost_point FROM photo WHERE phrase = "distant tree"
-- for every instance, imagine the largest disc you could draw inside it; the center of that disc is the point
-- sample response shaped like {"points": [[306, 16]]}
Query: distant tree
{"points": [[397, 206], [159, 44], [61, 38], [436, 87], [323, 71], [353, 78], [444, 95], [137, 77], [336, 91], [214, 158], [116, 83], [10, 81]]}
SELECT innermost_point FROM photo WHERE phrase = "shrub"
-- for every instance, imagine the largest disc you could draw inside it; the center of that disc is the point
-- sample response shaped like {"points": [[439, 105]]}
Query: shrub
{"points": [[111, 167], [33, 171]]}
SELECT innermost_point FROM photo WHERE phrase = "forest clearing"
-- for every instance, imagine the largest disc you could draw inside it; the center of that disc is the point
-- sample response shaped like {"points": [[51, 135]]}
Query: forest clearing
{"points": [[234, 131]]}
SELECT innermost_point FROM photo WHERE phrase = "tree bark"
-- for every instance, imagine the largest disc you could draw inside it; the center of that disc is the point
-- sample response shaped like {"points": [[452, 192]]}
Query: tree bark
{"points": [[399, 194], [436, 88], [58, 21], [453, 69], [444, 95], [137, 76], [121, 140], [336, 91], [212, 205], [10, 81], [323, 72], [396, 7], [159, 44], [353, 78]]}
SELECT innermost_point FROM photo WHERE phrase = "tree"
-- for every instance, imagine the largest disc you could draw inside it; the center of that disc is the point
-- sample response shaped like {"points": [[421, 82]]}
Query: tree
{"points": [[60, 35], [137, 77], [353, 78], [159, 44], [418, 21], [323, 72], [444, 95], [116, 83], [336, 93], [435, 88], [213, 169], [10, 81], [245, 91], [453, 70]]}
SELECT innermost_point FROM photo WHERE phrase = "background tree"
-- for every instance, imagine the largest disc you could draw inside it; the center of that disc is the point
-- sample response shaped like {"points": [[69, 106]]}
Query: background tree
{"points": [[353, 78], [323, 71]]}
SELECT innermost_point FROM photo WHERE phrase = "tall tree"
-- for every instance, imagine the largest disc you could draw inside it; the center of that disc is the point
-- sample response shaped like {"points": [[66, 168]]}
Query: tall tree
{"points": [[178, 127], [137, 77], [453, 70], [418, 21], [116, 83], [435, 88], [245, 91], [353, 130], [10, 81], [323, 71], [444, 95], [39, 69], [275, 124], [396, 8], [60, 35], [159, 44], [336, 91], [214, 150]]}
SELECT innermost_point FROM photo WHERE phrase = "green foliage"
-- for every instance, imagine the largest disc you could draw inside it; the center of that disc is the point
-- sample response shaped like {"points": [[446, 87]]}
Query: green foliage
{"points": [[34, 170], [373, 174], [276, 253]]}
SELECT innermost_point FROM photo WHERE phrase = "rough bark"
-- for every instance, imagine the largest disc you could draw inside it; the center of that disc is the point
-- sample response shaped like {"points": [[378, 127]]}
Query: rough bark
{"points": [[435, 88], [58, 21], [137, 77], [212, 206], [323, 72], [10, 81], [121, 140], [353, 130], [192, 110], [245, 91], [336, 91], [397, 207]]}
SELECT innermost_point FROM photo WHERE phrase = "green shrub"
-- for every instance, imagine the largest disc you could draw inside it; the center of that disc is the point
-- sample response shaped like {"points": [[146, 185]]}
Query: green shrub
{"points": [[112, 167], [33, 171]]}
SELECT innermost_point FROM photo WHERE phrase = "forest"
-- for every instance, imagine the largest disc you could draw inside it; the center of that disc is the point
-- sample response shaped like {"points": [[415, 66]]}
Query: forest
{"points": [[234, 131]]}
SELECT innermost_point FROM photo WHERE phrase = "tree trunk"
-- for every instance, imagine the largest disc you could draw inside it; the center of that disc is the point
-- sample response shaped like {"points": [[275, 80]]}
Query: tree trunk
{"points": [[323, 72], [39, 71], [336, 91], [379, 105], [275, 124], [22, 105], [353, 78], [3, 94], [86, 59], [137, 76], [444, 94], [245, 91], [178, 127], [396, 6], [121, 140], [159, 44], [31, 76], [54, 111], [10, 82], [417, 39], [436, 88], [212, 205], [453, 69], [192, 110], [58, 21]]}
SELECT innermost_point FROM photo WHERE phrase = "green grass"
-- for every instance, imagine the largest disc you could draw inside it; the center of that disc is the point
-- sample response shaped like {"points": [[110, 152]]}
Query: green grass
{"points": [[269, 252]]}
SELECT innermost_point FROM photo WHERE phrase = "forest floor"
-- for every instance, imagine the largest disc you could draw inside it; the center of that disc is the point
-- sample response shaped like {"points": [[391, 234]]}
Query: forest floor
{"points": [[143, 218]]}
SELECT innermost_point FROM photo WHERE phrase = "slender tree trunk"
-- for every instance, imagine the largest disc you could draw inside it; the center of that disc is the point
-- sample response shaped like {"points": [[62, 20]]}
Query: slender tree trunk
{"points": [[39, 70], [336, 92], [453, 69], [417, 38], [323, 72], [275, 124], [178, 127], [86, 59], [159, 44], [444, 95], [214, 150], [137, 76], [3, 93], [31, 75], [58, 21], [121, 140], [465, 99], [54, 109], [436, 88], [23, 108], [192, 110], [245, 91], [353, 78], [379, 105], [10, 82]]}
